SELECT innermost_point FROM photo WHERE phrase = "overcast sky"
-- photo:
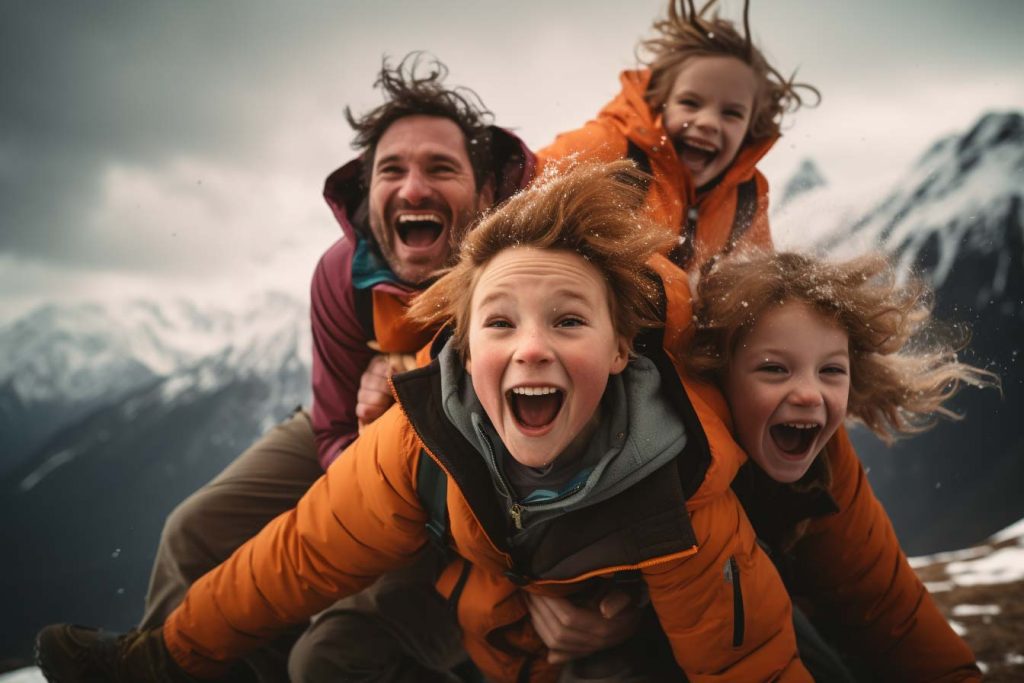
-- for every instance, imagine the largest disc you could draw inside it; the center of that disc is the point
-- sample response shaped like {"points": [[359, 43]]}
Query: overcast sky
{"points": [[182, 146]]}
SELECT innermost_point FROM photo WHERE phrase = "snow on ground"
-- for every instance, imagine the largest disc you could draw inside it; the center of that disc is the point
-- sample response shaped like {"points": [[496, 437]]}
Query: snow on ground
{"points": [[1005, 565], [1000, 561], [29, 674], [981, 592]]}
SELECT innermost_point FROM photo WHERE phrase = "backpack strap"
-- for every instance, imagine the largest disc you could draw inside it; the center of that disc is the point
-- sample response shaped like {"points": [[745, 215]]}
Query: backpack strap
{"points": [[746, 209], [432, 489]]}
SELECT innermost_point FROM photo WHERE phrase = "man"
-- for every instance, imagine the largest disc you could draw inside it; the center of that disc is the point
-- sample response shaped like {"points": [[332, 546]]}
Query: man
{"points": [[429, 164]]}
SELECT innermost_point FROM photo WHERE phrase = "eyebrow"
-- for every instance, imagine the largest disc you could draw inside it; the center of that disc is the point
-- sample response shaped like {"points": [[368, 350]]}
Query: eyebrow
{"points": [[781, 351]]}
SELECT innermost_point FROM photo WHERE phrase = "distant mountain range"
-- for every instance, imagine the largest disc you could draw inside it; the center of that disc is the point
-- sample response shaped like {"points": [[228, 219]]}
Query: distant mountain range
{"points": [[110, 418], [110, 415]]}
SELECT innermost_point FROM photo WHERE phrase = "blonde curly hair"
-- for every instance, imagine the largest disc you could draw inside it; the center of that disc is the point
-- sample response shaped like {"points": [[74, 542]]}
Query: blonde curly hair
{"points": [[686, 33], [902, 367]]}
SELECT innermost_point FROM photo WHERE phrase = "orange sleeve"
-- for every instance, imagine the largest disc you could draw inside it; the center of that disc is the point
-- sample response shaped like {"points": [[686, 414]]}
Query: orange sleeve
{"points": [[725, 609], [851, 567], [360, 520], [598, 140]]}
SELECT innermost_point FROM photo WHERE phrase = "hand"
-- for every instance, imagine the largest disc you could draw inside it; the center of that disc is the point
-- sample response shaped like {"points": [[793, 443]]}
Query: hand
{"points": [[374, 396], [571, 631]]}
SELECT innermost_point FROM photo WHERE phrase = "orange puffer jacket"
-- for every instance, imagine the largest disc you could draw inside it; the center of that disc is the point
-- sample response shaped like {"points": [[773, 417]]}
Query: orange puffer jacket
{"points": [[849, 569], [846, 569], [734, 212], [716, 594]]}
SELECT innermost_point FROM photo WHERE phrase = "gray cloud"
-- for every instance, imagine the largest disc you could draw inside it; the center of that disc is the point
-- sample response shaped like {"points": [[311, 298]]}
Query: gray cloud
{"points": [[91, 86]]}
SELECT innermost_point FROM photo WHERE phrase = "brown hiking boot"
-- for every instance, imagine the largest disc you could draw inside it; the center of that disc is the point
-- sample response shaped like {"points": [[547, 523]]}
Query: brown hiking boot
{"points": [[78, 654]]}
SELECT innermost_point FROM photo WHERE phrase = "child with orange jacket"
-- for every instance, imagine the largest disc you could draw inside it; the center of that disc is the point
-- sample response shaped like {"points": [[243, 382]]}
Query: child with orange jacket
{"points": [[699, 118], [799, 345]]}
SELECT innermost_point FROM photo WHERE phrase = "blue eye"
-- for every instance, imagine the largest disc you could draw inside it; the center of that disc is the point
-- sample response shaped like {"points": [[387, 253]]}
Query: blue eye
{"points": [[571, 321], [499, 323]]}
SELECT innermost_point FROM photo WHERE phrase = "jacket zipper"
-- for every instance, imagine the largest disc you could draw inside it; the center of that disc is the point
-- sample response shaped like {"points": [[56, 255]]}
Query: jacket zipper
{"points": [[738, 626], [516, 511]]}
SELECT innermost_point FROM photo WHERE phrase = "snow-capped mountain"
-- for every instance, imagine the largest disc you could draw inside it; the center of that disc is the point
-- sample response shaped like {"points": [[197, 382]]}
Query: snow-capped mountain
{"points": [[62, 362], [963, 192], [157, 415]]}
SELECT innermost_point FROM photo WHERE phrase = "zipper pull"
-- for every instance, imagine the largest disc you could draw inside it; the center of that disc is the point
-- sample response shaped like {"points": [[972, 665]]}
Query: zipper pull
{"points": [[516, 511]]}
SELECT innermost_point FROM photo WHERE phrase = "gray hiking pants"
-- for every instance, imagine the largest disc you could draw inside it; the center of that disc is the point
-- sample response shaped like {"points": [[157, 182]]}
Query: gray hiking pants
{"points": [[399, 629]]}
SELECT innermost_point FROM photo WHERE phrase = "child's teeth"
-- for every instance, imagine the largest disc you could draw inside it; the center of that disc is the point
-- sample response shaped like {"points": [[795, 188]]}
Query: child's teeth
{"points": [[534, 391]]}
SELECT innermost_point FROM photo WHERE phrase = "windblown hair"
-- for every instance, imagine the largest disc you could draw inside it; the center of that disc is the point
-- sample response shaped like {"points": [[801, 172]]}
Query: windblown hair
{"points": [[686, 33], [416, 87], [593, 210], [901, 370]]}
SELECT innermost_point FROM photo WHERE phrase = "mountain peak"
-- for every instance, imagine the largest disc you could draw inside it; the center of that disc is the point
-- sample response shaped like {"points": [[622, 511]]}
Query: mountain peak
{"points": [[807, 177], [994, 129]]}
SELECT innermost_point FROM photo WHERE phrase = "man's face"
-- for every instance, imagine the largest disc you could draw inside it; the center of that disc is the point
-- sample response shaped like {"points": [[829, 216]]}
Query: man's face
{"points": [[541, 348], [707, 113], [423, 195], [787, 384]]}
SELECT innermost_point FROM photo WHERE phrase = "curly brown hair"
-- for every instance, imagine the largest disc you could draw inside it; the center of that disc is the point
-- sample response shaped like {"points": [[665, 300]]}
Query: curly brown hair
{"points": [[416, 87], [685, 33], [903, 368], [594, 210]]}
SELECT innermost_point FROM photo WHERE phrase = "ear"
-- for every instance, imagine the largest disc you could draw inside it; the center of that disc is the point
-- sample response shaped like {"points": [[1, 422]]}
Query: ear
{"points": [[469, 365], [621, 358]]}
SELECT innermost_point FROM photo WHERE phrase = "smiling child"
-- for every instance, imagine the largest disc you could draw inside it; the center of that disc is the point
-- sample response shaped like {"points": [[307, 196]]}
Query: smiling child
{"points": [[798, 345], [699, 118]]}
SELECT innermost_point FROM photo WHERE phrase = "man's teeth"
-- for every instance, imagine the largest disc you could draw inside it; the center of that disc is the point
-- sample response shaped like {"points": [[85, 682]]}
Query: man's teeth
{"points": [[534, 391], [416, 217]]}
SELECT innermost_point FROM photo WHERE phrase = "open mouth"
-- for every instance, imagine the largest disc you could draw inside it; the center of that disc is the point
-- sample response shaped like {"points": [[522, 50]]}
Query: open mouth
{"points": [[695, 153], [794, 438], [535, 407], [419, 230]]}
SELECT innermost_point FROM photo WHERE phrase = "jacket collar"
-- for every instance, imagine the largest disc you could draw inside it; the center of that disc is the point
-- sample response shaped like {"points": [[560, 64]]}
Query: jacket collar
{"points": [[644, 127]]}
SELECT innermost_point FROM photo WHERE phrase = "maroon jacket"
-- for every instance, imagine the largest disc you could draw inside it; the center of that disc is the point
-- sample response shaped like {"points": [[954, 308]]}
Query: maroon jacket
{"points": [[352, 284]]}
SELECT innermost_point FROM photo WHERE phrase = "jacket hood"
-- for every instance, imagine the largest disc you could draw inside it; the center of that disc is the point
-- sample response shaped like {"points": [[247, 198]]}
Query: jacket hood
{"points": [[644, 127], [513, 167]]}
